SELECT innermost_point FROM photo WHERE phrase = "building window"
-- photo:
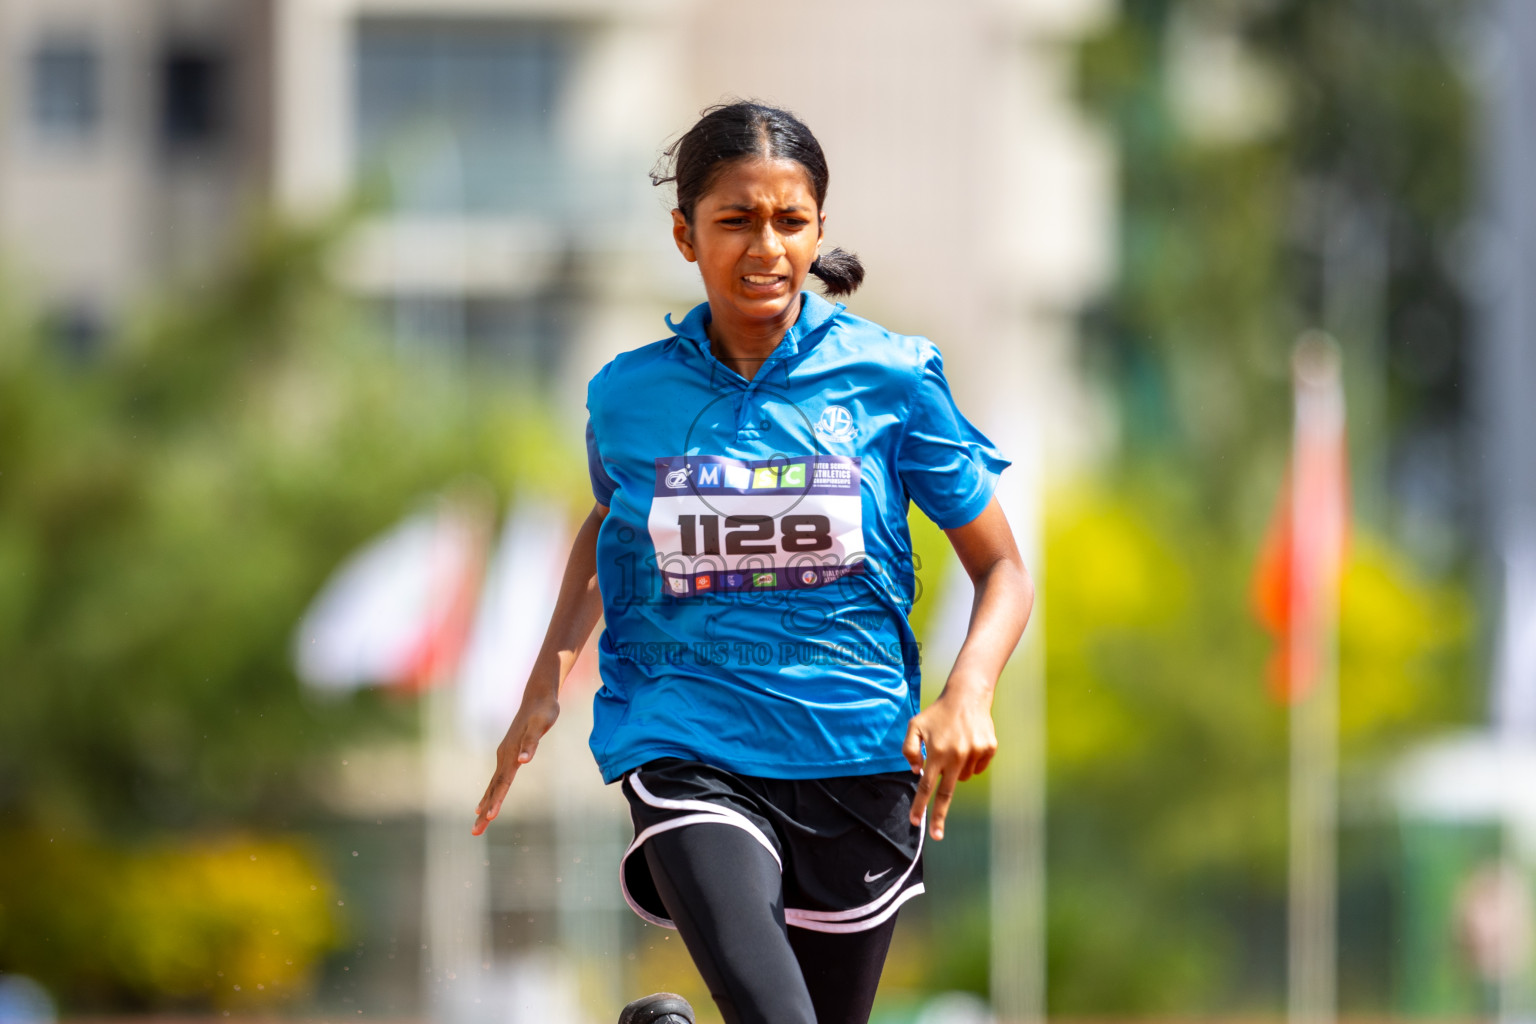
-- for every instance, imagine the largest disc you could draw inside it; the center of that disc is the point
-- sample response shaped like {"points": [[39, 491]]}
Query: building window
{"points": [[192, 100], [460, 116], [65, 89], [523, 337]]}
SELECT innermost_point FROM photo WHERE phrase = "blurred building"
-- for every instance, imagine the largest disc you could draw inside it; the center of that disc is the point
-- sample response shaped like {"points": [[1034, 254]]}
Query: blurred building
{"points": [[511, 138], [132, 139]]}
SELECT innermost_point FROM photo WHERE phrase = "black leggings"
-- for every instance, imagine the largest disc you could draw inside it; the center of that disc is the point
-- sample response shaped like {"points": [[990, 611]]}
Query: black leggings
{"points": [[722, 889]]}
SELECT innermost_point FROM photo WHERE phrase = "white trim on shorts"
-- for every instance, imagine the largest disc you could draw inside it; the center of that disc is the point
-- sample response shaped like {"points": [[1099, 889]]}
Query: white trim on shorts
{"points": [[853, 920], [799, 918], [847, 920], [706, 812]]}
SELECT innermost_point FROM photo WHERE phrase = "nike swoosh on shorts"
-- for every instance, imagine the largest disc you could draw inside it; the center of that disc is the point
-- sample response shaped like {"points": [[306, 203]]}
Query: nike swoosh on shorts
{"points": [[870, 878]]}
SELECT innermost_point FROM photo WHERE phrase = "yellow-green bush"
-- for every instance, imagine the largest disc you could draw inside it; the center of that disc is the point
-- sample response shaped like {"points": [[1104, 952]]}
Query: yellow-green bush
{"points": [[227, 921]]}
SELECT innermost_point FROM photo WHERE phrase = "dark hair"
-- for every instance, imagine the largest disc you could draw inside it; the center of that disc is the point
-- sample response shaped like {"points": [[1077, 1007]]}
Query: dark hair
{"points": [[735, 131]]}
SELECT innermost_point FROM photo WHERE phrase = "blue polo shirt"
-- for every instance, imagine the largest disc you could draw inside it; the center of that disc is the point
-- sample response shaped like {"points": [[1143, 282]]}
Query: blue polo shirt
{"points": [[755, 565]]}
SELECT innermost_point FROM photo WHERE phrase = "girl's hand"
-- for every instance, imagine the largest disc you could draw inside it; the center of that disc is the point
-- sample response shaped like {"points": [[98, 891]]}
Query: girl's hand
{"points": [[516, 749], [957, 731]]}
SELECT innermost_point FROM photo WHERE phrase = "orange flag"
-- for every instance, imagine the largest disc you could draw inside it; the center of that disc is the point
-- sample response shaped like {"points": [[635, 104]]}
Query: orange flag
{"points": [[1298, 571]]}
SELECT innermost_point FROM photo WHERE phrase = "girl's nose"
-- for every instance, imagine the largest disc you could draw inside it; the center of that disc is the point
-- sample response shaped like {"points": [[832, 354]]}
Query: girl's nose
{"points": [[766, 243]]}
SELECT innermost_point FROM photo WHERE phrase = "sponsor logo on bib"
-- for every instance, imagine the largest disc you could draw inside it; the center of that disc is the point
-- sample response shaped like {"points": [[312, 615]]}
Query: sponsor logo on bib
{"points": [[728, 525]]}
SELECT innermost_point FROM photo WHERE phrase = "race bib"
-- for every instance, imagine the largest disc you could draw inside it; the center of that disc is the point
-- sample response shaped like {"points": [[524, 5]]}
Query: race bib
{"points": [[787, 523]]}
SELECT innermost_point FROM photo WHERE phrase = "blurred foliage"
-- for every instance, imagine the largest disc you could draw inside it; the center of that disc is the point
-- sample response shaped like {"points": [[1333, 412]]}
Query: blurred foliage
{"points": [[1168, 759], [233, 922], [1284, 165], [168, 508]]}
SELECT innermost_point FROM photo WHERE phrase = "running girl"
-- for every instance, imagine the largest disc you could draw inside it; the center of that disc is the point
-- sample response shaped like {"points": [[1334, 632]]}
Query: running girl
{"points": [[748, 551]]}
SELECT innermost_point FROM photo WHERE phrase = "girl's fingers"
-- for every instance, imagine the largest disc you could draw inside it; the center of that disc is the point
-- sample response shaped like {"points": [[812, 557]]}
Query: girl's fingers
{"points": [[937, 768], [976, 763], [941, 808], [489, 808], [924, 791], [490, 804], [490, 792], [912, 747]]}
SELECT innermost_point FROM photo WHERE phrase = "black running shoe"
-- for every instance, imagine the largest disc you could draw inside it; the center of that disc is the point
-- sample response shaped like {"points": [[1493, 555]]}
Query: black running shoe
{"points": [[658, 1008]]}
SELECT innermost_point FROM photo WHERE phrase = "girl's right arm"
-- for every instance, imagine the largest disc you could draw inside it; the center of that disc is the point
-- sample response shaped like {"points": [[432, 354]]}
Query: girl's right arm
{"points": [[577, 610]]}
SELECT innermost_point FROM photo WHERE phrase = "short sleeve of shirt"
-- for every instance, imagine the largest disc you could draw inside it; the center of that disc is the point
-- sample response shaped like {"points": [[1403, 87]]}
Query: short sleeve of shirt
{"points": [[948, 467], [603, 485]]}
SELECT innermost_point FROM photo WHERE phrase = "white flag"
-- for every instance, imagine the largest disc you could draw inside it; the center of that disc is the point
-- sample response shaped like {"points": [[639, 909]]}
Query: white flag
{"points": [[393, 613], [519, 594]]}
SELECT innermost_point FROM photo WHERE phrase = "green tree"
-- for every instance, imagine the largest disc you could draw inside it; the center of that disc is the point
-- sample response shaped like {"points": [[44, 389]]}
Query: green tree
{"points": [[167, 511]]}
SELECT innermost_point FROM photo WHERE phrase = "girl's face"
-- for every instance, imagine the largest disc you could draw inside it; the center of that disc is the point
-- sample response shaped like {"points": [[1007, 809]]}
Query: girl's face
{"points": [[754, 236]]}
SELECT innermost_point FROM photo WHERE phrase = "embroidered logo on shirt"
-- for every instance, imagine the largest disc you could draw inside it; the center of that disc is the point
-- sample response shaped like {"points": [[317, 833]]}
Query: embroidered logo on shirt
{"points": [[835, 424], [875, 877]]}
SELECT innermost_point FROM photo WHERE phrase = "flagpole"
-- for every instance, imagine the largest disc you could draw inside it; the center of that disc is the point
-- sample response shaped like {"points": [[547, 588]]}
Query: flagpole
{"points": [[1317, 525], [456, 876], [1313, 869]]}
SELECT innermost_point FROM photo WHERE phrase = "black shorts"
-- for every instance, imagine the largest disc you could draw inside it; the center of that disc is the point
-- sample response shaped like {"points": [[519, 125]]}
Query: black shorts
{"points": [[848, 852]]}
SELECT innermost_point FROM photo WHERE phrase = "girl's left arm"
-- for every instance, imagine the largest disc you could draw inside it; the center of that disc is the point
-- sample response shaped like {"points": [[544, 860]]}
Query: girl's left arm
{"points": [[956, 729]]}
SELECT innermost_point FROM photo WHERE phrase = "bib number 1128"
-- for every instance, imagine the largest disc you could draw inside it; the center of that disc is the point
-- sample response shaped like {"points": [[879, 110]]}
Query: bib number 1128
{"points": [[753, 535]]}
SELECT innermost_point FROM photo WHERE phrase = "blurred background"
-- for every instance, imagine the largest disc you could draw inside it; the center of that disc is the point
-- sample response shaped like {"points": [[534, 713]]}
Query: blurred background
{"points": [[298, 303]]}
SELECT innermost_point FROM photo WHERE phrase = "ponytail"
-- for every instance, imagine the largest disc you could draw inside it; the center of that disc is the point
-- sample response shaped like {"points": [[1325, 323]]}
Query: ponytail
{"points": [[839, 270]]}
